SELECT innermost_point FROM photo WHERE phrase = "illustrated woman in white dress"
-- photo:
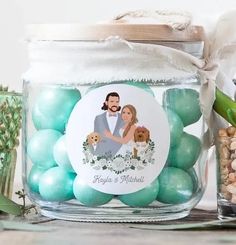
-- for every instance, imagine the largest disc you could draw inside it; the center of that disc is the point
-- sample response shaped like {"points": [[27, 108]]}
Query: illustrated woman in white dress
{"points": [[129, 116]]}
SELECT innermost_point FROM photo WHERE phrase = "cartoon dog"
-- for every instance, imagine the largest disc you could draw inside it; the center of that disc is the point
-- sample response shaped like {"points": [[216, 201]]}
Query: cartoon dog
{"points": [[141, 139], [93, 139]]}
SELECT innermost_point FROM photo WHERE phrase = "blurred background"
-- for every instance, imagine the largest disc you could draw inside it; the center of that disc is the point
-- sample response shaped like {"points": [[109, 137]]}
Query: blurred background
{"points": [[15, 14]]}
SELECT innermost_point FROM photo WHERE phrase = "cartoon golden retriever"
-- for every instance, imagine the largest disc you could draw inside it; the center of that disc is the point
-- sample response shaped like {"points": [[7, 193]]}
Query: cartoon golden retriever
{"points": [[141, 139], [93, 139]]}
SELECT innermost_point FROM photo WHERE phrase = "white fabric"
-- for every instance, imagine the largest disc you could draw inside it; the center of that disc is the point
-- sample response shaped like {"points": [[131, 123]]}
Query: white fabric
{"points": [[116, 59], [103, 62], [178, 20], [125, 148]]}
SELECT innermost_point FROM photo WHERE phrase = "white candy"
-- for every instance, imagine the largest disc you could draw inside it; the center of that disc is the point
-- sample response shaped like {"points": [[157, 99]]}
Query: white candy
{"points": [[232, 177], [233, 164], [231, 188], [233, 145]]}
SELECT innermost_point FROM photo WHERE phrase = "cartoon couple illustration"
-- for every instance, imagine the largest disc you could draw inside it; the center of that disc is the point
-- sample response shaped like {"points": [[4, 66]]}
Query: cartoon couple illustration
{"points": [[116, 129]]}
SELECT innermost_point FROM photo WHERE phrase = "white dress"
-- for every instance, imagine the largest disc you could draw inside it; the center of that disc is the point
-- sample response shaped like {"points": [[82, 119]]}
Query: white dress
{"points": [[125, 148]]}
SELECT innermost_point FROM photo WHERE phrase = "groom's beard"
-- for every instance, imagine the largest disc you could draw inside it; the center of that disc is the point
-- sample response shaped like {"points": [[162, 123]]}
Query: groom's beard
{"points": [[113, 108]]}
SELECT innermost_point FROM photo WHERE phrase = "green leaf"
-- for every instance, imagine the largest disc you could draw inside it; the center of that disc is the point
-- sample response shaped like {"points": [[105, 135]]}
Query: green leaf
{"points": [[8, 206], [225, 106], [14, 225]]}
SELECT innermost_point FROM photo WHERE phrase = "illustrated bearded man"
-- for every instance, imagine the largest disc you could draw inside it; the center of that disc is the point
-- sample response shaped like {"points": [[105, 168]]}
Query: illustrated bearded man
{"points": [[110, 120]]}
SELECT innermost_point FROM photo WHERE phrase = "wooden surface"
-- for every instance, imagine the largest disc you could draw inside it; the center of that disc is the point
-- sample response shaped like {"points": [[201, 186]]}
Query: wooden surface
{"points": [[94, 233]]}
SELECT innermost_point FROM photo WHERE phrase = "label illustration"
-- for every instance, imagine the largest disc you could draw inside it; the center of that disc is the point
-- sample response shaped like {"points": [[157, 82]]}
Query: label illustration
{"points": [[118, 138]]}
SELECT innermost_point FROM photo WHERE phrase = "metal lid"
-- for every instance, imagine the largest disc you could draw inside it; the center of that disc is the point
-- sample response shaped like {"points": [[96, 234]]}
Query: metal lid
{"points": [[130, 32]]}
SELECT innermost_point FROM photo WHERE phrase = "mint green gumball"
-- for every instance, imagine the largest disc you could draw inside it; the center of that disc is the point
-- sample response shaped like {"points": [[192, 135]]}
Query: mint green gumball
{"points": [[40, 147], [176, 127], [61, 156], [186, 153], [34, 177], [141, 85], [56, 185], [53, 107], [42, 121], [89, 196], [194, 177], [175, 186], [185, 102], [143, 197]]}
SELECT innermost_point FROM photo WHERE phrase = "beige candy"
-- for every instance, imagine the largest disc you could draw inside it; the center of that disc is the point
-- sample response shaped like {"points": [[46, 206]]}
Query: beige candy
{"points": [[232, 146], [224, 171], [222, 132], [224, 153], [224, 162], [233, 164], [231, 131], [232, 177], [224, 141], [233, 139], [227, 195], [233, 199], [226, 182], [223, 188], [231, 188], [223, 178]]}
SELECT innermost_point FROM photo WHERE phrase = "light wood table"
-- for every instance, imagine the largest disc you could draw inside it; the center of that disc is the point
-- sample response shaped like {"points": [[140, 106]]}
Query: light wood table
{"points": [[118, 234]]}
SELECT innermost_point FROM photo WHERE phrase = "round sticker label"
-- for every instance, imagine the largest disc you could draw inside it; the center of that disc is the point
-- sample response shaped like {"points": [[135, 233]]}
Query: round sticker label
{"points": [[118, 139]]}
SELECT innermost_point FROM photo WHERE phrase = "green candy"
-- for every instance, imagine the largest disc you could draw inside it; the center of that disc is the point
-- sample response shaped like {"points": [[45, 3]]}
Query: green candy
{"points": [[53, 107], [34, 177], [175, 186], [40, 147], [185, 102], [186, 153], [143, 197], [56, 185], [194, 177], [89, 196], [176, 127], [61, 156]]}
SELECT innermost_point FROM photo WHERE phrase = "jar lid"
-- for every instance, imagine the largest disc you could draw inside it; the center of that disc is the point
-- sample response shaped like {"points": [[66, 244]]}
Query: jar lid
{"points": [[131, 32]]}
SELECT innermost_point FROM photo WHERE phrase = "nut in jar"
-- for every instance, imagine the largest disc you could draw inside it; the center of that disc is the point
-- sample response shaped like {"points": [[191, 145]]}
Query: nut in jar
{"points": [[227, 164]]}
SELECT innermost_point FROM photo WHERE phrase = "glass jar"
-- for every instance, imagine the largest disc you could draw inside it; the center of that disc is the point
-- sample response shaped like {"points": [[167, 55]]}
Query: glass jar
{"points": [[113, 130], [226, 178]]}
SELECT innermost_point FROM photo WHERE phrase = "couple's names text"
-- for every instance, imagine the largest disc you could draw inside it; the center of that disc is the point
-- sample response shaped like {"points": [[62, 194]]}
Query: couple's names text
{"points": [[124, 179]]}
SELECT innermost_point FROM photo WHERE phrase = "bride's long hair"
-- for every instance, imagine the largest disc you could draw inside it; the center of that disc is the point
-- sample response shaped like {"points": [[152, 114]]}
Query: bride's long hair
{"points": [[133, 119]]}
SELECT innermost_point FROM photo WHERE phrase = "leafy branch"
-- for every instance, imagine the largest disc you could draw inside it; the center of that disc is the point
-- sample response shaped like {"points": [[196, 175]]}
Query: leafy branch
{"points": [[10, 207], [26, 209]]}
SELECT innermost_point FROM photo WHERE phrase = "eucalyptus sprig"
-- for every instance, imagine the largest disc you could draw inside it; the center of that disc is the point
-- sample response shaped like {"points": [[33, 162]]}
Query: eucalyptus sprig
{"points": [[10, 207], [10, 119], [26, 209], [10, 123], [4, 89]]}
